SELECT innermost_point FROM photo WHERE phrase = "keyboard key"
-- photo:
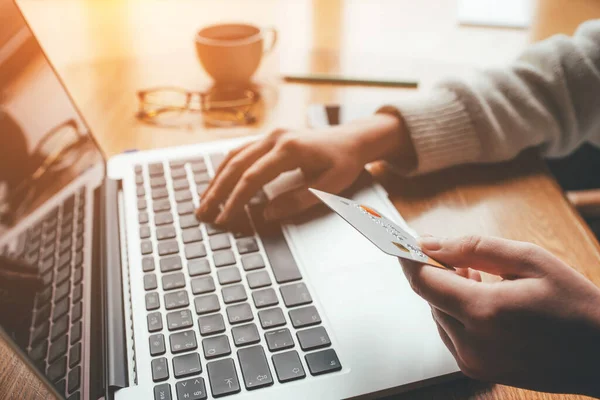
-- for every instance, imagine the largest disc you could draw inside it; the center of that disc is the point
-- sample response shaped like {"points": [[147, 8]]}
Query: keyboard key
{"points": [[176, 300], [163, 218], [65, 244], [198, 267], [199, 166], [223, 258], [42, 314], [255, 369], [188, 221], [160, 369], [144, 232], [186, 365], [216, 159], [280, 257], [180, 184], [61, 308], [148, 264], [47, 265], [165, 232], [58, 349], [194, 250], [322, 362], [158, 182], [59, 328], [211, 324], [295, 295], [48, 279], [183, 341], [162, 392], [161, 205], [258, 279], [191, 235], [305, 316], [57, 369], [244, 335], [229, 275], [185, 208], [39, 352], [265, 298], [168, 247], [280, 339], [201, 177], [78, 292], [246, 245], [192, 389], [74, 379], [169, 264], [143, 218], [64, 260], [252, 262], [239, 313], [207, 304], [154, 322], [76, 333], [75, 355], [159, 193], [216, 346], [173, 281], [182, 195], [313, 338], [179, 320], [157, 344], [222, 376], [146, 247], [152, 301], [201, 188], [219, 242], [76, 312], [140, 191], [79, 258], [203, 285], [177, 173], [212, 229], [156, 169], [288, 366], [141, 204], [150, 282], [233, 294]]}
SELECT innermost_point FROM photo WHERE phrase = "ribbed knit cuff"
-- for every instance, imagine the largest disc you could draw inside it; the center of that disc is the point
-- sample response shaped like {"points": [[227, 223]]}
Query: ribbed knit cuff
{"points": [[441, 131]]}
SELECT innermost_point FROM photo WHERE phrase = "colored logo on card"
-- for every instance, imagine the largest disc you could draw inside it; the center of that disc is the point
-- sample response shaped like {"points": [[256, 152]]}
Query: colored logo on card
{"points": [[370, 211], [398, 245]]}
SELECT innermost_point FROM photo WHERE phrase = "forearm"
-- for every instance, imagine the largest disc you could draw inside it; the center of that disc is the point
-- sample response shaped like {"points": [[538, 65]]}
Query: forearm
{"points": [[549, 98]]}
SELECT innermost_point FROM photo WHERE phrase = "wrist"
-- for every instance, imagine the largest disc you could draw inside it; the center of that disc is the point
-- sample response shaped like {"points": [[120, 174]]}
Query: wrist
{"points": [[383, 136]]}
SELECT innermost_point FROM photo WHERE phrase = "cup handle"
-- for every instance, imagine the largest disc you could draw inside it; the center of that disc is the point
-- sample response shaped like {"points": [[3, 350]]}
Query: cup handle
{"points": [[268, 48]]}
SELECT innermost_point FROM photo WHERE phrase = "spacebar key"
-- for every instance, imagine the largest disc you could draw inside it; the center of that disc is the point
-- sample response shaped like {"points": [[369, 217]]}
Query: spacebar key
{"points": [[280, 257]]}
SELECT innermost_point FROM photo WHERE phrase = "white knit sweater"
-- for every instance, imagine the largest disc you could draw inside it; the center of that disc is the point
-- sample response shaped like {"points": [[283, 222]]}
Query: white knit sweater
{"points": [[549, 98]]}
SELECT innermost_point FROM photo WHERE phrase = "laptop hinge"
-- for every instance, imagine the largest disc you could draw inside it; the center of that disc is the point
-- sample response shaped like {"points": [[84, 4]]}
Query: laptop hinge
{"points": [[115, 351]]}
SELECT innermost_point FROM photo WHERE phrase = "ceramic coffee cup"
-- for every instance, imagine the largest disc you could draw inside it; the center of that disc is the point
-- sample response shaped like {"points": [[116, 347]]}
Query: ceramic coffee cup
{"points": [[231, 53]]}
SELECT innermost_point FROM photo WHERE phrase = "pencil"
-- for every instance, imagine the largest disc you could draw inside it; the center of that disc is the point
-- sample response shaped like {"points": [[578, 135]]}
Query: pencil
{"points": [[349, 80]]}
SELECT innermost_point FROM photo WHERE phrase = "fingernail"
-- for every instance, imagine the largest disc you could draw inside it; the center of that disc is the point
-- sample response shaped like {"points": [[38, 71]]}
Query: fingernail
{"points": [[430, 243]]}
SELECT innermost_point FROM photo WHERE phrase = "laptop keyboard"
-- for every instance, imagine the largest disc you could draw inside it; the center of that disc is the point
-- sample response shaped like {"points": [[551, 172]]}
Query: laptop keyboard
{"points": [[55, 244], [200, 315]]}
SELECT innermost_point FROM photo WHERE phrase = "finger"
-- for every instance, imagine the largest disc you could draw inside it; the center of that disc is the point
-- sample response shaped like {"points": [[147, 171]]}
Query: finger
{"points": [[469, 274], [443, 289], [301, 199], [225, 161], [263, 171], [506, 258], [225, 181]]}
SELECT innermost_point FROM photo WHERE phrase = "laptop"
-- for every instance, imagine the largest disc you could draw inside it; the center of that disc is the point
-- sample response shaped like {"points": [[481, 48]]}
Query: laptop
{"points": [[139, 300]]}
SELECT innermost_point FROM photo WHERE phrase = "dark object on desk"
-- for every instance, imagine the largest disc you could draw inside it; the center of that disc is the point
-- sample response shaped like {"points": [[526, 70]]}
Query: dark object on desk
{"points": [[578, 175], [349, 80]]}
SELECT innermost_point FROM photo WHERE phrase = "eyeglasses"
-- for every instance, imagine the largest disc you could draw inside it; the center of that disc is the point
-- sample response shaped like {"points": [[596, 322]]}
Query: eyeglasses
{"points": [[58, 150], [174, 107]]}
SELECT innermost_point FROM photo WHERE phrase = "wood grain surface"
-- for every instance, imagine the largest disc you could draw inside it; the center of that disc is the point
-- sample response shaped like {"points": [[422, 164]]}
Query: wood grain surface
{"points": [[107, 50]]}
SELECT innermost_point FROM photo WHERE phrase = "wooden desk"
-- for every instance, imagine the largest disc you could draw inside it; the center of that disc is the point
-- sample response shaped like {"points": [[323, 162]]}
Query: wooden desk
{"points": [[106, 50]]}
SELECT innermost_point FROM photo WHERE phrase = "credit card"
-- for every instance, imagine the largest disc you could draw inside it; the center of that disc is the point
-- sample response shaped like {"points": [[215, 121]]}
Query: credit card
{"points": [[381, 231]]}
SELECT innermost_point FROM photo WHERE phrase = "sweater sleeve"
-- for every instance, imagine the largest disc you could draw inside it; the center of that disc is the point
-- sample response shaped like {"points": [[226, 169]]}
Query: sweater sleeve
{"points": [[549, 98]]}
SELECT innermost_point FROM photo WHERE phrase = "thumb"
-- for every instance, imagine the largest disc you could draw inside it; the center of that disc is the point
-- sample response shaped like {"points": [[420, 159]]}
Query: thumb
{"points": [[502, 257]]}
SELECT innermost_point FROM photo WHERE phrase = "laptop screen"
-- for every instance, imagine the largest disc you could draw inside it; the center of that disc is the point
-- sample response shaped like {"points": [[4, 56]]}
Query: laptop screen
{"points": [[44, 143]]}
